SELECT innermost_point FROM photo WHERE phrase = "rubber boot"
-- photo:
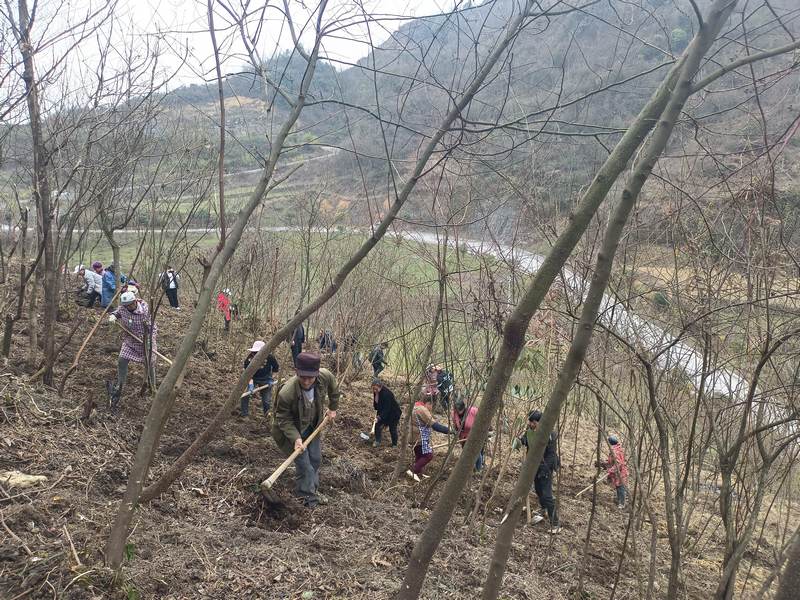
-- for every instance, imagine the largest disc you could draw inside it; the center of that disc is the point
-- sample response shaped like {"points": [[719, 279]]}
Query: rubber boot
{"points": [[113, 397]]}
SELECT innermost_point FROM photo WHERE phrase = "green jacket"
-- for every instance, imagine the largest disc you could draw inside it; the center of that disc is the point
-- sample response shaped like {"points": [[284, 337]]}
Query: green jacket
{"points": [[291, 416]]}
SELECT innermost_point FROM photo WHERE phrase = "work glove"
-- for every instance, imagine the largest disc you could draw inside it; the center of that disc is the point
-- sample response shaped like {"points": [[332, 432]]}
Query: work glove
{"points": [[112, 319], [516, 444], [251, 387]]}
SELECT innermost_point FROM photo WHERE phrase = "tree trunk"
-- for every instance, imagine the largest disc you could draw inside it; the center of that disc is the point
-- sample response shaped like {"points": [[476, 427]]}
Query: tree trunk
{"points": [[517, 324], [402, 196], [790, 580], [8, 331], [41, 186], [736, 545], [425, 358], [2, 263], [596, 292], [33, 328]]}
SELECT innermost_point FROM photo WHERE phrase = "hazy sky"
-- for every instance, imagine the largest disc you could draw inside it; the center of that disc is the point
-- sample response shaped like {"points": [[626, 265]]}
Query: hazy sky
{"points": [[183, 28]]}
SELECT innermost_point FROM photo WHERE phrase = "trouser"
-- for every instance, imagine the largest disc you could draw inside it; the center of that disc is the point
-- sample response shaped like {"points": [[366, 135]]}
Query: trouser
{"points": [[444, 400], [480, 461], [122, 377], [296, 349], [392, 432], [420, 459], [266, 400], [172, 296], [376, 369], [622, 492], [543, 486], [227, 324], [93, 297], [307, 472]]}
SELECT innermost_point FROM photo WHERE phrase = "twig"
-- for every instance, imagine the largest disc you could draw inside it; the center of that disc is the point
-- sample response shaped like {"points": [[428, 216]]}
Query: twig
{"points": [[72, 546], [14, 535], [74, 579], [23, 594]]}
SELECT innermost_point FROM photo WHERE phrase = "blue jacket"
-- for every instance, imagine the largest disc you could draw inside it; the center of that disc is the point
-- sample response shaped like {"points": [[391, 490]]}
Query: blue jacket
{"points": [[109, 287]]}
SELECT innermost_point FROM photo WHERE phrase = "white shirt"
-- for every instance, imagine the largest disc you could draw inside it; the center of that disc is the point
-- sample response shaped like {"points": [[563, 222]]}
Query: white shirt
{"points": [[172, 277], [308, 396], [97, 280]]}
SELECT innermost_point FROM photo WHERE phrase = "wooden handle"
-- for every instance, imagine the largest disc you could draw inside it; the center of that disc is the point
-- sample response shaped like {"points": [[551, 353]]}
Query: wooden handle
{"points": [[270, 481], [138, 339], [591, 485], [258, 389]]}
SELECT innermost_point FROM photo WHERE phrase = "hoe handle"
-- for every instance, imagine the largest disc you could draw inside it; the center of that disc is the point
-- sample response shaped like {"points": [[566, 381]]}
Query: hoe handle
{"points": [[270, 481]]}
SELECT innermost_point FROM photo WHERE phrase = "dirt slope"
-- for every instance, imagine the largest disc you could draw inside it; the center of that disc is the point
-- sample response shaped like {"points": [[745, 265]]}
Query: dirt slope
{"points": [[212, 535]]}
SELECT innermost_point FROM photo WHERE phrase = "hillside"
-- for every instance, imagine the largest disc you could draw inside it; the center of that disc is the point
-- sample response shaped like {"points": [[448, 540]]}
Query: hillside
{"points": [[545, 119], [213, 535], [656, 307]]}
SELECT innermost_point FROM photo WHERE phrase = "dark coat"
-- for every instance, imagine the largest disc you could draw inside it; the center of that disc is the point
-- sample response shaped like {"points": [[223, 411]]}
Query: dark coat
{"points": [[550, 460], [299, 335], [376, 357], [264, 374], [386, 407], [444, 382], [291, 416]]}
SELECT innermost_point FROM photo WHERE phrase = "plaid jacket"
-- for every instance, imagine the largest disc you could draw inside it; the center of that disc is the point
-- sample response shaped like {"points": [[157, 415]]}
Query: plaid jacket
{"points": [[135, 322], [424, 421]]}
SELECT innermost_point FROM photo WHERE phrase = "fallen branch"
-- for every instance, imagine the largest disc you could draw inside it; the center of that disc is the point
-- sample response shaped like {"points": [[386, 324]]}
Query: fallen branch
{"points": [[14, 535], [77, 358], [72, 546]]}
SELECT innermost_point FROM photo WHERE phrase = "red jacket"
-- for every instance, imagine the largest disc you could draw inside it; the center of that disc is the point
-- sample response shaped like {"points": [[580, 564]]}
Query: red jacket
{"points": [[615, 466], [224, 305], [463, 431]]}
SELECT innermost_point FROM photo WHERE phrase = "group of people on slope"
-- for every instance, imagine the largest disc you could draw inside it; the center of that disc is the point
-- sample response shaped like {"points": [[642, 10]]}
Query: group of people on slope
{"points": [[388, 414], [312, 393], [100, 283]]}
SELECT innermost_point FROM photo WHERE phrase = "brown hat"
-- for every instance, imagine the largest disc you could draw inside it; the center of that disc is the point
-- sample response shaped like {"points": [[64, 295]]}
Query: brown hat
{"points": [[307, 364]]}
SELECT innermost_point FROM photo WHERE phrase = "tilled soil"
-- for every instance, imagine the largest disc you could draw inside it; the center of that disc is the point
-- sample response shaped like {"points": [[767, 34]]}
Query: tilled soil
{"points": [[213, 535]]}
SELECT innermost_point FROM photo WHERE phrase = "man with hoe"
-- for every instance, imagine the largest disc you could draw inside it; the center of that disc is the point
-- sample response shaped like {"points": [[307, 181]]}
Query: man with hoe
{"points": [[303, 402]]}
